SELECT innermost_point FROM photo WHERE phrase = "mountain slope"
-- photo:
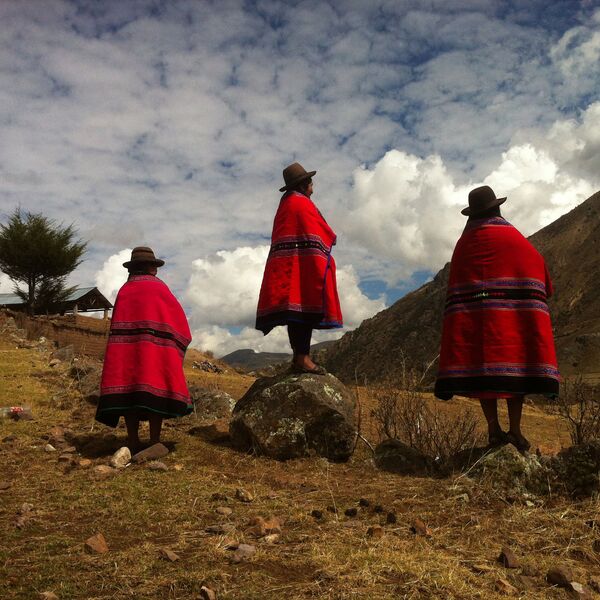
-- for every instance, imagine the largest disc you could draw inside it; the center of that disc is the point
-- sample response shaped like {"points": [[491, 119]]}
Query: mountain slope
{"points": [[411, 327]]}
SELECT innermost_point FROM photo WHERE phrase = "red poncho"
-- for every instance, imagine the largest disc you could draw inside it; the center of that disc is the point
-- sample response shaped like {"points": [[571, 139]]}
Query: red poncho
{"points": [[299, 282], [143, 365], [497, 337]]}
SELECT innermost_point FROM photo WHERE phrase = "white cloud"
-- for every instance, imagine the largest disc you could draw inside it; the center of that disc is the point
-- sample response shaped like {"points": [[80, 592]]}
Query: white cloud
{"points": [[6, 284], [113, 274], [223, 292]]}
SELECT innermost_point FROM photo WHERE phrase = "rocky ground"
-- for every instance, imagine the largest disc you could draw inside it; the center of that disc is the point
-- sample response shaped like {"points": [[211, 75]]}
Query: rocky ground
{"points": [[208, 521]]}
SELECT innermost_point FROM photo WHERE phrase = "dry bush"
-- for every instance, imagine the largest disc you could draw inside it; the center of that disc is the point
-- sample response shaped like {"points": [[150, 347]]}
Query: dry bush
{"points": [[403, 413], [579, 405]]}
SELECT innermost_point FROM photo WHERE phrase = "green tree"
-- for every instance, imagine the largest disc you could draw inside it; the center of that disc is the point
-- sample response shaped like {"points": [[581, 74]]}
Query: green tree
{"points": [[39, 253]]}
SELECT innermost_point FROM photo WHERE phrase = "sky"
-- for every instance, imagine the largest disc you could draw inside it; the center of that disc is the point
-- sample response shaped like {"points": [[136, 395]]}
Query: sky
{"points": [[168, 123]]}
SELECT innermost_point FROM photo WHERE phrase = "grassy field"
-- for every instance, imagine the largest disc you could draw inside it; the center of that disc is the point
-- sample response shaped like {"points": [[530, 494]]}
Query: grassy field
{"points": [[140, 511]]}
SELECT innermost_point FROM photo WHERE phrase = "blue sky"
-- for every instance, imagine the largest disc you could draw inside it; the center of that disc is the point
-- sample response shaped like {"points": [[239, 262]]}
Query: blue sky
{"points": [[168, 124]]}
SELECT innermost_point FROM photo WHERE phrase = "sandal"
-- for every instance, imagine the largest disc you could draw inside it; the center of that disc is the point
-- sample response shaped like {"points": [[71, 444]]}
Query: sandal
{"points": [[317, 370], [496, 440], [521, 444]]}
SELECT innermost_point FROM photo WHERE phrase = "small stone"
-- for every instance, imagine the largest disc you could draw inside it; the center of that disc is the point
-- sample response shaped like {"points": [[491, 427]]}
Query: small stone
{"points": [[504, 587], [260, 527], [317, 514], [224, 510], [103, 471], [85, 463], [271, 538], [579, 591], [243, 495], [178, 467], [420, 528], [560, 576], [26, 507], [4, 485], [69, 450], [48, 596], [364, 502], [219, 529], [65, 458], [157, 465], [96, 544], [529, 504], [391, 518], [378, 508], [154, 452], [244, 552], [54, 362], [168, 554], [49, 448], [351, 512], [508, 559], [207, 594], [376, 531], [121, 458]]}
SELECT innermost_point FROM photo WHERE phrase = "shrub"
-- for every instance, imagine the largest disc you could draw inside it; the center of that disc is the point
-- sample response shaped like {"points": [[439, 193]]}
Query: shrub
{"points": [[579, 405]]}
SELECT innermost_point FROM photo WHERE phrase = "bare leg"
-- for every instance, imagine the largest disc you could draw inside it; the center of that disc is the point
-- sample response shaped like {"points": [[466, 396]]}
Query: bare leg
{"points": [[515, 410], [490, 412], [155, 422], [132, 422]]}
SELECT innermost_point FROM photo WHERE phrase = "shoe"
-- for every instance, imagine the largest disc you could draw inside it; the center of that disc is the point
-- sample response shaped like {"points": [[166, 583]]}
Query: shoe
{"points": [[317, 370], [521, 444], [495, 440]]}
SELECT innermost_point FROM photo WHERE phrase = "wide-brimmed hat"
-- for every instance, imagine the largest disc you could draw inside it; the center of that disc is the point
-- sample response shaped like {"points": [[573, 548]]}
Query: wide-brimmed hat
{"points": [[480, 200], [294, 174], [142, 255]]}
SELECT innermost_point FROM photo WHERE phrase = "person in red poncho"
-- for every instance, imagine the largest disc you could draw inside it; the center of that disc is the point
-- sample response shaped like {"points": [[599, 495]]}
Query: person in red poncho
{"points": [[497, 337], [299, 285], [143, 377]]}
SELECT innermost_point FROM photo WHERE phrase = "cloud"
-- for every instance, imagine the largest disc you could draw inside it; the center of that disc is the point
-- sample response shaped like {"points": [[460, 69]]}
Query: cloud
{"points": [[113, 275], [405, 209], [223, 293], [6, 284]]}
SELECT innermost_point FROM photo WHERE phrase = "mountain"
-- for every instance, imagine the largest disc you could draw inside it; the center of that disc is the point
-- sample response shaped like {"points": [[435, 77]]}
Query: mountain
{"points": [[410, 329], [249, 360]]}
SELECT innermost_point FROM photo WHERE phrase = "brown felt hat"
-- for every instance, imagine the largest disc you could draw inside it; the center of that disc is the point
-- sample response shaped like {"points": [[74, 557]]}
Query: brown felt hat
{"points": [[480, 200], [293, 175], [142, 255]]}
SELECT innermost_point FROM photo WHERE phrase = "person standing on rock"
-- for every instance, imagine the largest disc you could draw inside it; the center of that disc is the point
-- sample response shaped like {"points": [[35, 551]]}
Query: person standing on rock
{"points": [[143, 377], [299, 285], [497, 337]]}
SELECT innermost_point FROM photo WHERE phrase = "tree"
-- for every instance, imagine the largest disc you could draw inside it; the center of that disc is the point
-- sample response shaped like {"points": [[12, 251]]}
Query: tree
{"points": [[39, 253]]}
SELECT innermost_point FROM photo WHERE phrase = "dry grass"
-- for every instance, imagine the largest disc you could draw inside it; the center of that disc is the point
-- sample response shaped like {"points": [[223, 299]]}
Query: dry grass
{"points": [[139, 511]]}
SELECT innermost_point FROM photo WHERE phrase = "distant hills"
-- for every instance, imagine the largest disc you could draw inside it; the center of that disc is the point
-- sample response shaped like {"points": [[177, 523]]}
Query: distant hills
{"points": [[410, 329]]}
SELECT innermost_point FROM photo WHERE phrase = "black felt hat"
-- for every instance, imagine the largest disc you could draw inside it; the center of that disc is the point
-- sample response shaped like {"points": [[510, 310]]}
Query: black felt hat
{"points": [[480, 200], [142, 255], [293, 175]]}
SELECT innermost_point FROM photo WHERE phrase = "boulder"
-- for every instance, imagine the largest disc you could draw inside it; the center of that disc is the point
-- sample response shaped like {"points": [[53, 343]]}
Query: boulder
{"points": [[394, 456], [211, 404], [511, 473], [294, 415], [577, 469]]}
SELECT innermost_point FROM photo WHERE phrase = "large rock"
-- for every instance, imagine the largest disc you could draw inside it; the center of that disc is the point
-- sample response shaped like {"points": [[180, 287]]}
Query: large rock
{"points": [[290, 416], [577, 469], [396, 457], [211, 404], [511, 473]]}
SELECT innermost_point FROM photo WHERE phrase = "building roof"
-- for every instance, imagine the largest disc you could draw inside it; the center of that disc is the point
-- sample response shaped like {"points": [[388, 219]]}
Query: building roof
{"points": [[86, 299]]}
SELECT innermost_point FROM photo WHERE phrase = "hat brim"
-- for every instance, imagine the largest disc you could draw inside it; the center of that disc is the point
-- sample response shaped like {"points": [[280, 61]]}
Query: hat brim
{"points": [[155, 263], [469, 213], [296, 181]]}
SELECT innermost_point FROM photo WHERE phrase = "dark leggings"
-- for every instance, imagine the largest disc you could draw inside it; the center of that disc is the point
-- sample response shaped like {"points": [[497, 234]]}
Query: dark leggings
{"points": [[300, 334]]}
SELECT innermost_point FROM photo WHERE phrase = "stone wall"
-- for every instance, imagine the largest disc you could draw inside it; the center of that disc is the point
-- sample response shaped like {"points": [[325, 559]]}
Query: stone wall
{"points": [[87, 335]]}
